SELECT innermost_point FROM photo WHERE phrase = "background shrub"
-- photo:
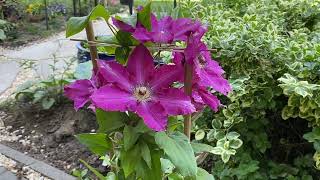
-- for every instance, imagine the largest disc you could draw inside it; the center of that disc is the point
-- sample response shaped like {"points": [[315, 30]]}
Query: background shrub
{"points": [[271, 53]]}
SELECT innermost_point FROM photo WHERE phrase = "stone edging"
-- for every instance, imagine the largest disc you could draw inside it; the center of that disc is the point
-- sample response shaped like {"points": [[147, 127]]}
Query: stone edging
{"points": [[34, 164]]}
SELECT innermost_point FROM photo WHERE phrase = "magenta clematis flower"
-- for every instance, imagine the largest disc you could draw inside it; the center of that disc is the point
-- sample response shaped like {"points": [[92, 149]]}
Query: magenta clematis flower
{"points": [[143, 89], [209, 71], [183, 27], [80, 92], [160, 31]]}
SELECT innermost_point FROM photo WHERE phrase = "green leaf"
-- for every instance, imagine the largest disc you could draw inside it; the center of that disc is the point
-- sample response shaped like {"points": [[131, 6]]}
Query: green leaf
{"points": [[129, 159], [216, 124], [47, 103], [145, 153], [204, 175], [111, 176], [200, 134], [232, 135], [2, 35], [175, 176], [144, 16], [199, 147], [38, 95], [301, 91], [122, 54], [179, 151], [217, 150], [92, 169], [235, 143], [125, 38], [98, 143], [313, 136], [109, 121], [225, 157], [77, 24], [166, 166], [83, 70], [130, 137]]}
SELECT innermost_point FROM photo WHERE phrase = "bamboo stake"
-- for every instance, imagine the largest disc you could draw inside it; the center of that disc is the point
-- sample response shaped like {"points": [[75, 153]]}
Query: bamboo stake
{"points": [[188, 91], [93, 49]]}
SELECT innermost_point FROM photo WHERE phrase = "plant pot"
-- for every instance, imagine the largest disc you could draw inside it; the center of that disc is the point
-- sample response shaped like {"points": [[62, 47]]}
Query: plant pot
{"points": [[35, 18], [83, 54]]}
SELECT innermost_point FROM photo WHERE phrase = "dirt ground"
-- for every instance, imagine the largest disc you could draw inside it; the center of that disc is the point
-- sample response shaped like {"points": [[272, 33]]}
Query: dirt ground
{"points": [[48, 135]]}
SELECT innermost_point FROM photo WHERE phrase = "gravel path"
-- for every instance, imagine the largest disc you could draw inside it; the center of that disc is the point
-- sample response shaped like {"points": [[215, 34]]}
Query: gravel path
{"points": [[42, 54], [12, 75]]}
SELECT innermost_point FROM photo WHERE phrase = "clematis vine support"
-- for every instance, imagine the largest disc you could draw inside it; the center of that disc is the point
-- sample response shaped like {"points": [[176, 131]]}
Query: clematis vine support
{"points": [[138, 101]]}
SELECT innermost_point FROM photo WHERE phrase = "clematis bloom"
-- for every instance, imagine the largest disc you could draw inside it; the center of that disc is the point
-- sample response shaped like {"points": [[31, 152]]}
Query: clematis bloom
{"points": [[143, 89], [209, 71]]}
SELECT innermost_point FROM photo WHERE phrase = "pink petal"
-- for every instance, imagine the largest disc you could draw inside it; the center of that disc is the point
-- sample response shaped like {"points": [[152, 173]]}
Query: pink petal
{"points": [[112, 98], [113, 72], [162, 36], [211, 100], [175, 101], [183, 27], [178, 58], [79, 91], [140, 64], [161, 30], [197, 100], [153, 115], [211, 79], [122, 25], [142, 34], [165, 75]]}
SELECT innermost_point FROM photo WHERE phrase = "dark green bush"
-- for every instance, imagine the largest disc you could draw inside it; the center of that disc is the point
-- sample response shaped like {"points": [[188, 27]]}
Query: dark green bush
{"points": [[270, 50]]}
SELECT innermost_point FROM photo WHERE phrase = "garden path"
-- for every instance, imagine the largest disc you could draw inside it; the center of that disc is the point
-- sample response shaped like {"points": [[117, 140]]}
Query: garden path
{"points": [[42, 53]]}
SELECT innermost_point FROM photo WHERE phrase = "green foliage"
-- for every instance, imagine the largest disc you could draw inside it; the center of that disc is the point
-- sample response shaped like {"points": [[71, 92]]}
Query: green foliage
{"points": [[5, 29], [270, 52], [77, 24], [46, 92], [179, 151], [98, 143]]}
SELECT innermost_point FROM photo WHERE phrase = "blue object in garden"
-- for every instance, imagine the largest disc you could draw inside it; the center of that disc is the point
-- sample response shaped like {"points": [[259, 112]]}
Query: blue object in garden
{"points": [[83, 54]]}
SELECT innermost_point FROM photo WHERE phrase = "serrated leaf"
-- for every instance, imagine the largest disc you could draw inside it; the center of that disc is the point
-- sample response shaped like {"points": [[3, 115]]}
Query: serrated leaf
{"points": [[179, 151], [98, 143]]}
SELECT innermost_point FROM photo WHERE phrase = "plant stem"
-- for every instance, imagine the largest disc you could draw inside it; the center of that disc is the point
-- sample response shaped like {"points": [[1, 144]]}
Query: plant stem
{"points": [[93, 49], [188, 91]]}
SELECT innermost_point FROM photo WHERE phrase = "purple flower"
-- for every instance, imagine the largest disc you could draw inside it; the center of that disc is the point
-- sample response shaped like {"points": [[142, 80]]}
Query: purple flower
{"points": [[122, 25], [209, 71], [183, 27], [160, 31], [80, 92], [143, 89]]}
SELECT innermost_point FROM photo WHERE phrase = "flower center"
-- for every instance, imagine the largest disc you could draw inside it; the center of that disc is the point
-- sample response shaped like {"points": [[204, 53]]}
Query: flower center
{"points": [[142, 93], [202, 61], [162, 32]]}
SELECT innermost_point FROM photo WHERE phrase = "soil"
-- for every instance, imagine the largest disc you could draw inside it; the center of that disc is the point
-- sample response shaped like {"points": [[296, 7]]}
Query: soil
{"points": [[48, 135]]}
